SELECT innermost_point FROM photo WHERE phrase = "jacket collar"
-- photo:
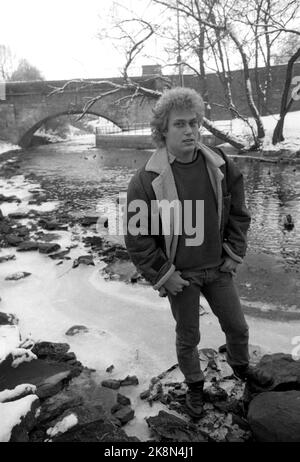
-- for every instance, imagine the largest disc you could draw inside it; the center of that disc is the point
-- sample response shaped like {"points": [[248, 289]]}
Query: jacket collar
{"points": [[161, 160]]}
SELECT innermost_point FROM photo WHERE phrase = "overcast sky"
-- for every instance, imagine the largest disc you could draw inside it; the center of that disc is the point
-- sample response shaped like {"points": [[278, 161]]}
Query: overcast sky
{"points": [[59, 37]]}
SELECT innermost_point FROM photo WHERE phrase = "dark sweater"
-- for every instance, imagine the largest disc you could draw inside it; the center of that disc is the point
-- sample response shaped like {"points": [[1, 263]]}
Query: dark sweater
{"points": [[197, 250]]}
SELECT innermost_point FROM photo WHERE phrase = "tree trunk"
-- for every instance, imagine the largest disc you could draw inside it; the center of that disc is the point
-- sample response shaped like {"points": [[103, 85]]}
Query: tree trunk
{"points": [[248, 88], [210, 126], [285, 106]]}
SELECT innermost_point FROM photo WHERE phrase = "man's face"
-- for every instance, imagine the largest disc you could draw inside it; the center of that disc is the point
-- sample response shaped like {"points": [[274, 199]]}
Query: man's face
{"points": [[182, 132]]}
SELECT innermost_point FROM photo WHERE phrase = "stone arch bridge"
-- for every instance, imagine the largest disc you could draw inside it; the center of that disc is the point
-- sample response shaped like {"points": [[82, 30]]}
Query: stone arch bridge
{"points": [[25, 106]]}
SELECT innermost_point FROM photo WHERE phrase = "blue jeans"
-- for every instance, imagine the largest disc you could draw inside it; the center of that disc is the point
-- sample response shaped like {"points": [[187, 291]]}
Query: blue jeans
{"points": [[221, 294]]}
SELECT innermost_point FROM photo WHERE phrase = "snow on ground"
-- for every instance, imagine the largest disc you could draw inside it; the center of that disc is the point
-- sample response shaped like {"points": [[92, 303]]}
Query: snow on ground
{"points": [[12, 395], [11, 414], [5, 146]]}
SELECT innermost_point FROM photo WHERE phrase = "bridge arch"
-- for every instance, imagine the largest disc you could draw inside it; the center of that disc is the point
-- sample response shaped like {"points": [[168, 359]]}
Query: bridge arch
{"points": [[26, 138]]}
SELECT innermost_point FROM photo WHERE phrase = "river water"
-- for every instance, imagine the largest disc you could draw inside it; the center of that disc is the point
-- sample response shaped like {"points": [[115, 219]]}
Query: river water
{"points": [[84, 178]]}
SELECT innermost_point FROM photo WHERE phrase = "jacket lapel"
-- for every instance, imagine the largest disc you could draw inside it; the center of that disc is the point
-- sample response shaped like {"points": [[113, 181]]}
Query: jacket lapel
{"points": [[165, 189]]}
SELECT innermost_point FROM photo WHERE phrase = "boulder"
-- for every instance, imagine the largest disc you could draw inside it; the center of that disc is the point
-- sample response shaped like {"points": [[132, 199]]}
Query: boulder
{"points": [[88, 221], [83, 259], [7, 257], [123, 400], [275, 417], [59, 255]]}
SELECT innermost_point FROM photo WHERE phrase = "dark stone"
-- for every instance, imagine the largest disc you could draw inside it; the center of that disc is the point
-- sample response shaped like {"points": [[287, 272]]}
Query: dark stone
{"points": [[129, 380], [51, 225], [215, 393], [284, 370], [8, 318], [59, 255], [123, 400], [275, 417], [17, 276], [50, 350], [5, 258], [55, 405], [124, 415], [27, 245], [145, 394], [122, 254], [13, 239], [110, 368], [95, 242], [93, 426], [48, 247], [76, 330], [9, 198], [88, 221], [169, 428], [18, 215], [83, 259], [111, 383], [5, 228], [49, 378], [47, 237], [116, 407]]}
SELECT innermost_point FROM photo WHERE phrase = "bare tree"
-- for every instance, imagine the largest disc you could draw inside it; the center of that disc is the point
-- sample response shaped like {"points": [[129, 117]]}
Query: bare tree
{"points": [[7, 59]]}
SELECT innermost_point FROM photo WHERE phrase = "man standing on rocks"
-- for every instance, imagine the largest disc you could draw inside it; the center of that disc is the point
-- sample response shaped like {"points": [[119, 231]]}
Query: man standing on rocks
{"points": [[186, 226]]}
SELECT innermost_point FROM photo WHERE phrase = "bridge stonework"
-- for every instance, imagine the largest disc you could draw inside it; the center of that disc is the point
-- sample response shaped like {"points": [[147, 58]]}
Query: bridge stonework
{"points": [[26, 105]]}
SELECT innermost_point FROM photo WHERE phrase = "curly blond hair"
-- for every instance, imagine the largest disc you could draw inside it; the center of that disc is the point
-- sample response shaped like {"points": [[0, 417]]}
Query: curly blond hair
{"points": [[175, 98]]}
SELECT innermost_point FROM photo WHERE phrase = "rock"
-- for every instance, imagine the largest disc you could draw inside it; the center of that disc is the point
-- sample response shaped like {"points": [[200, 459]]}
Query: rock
{"points": [[7, 257], [275, 416], [111, 383], [124, 415], [76, 330], [17, 276], [59, 255], [51, 225], [55, 405], [215, 393], [48, 247], [47, 237], [110, 369], [13, 239], [53, 384], [129, 380], [123, 400], [170, 428], [49, 377], [145, 394], [51, 350], [18, 215], [23, 412], [92, 425], [122, 254], [9, 198], [27, 245], [283, 368], [8, 318], [95, 242], [88, 221], [83, 259]]}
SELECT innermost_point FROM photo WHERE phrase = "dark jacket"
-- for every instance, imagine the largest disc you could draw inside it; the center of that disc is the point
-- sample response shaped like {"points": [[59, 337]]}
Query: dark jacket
{"points": [[154, 254]]}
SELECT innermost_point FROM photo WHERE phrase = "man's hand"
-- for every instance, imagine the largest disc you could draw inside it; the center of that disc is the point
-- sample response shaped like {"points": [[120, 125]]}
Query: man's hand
{"points": [[175, 283], [229, 265]]}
